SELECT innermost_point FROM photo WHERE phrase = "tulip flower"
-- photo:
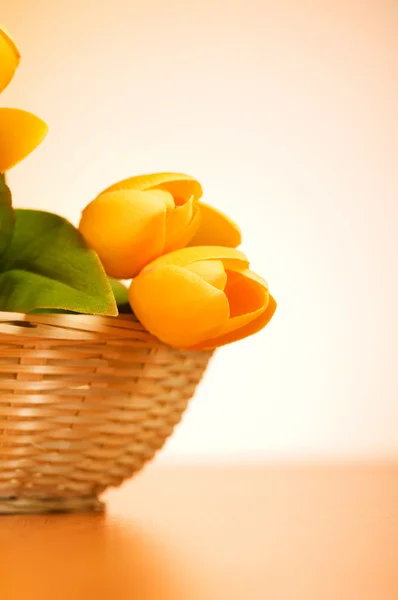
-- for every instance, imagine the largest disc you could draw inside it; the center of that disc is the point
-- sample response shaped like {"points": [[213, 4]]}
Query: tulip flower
{"points": [[20, 131], [138, 219], [141, 218], [201, 298], [9, 59]]}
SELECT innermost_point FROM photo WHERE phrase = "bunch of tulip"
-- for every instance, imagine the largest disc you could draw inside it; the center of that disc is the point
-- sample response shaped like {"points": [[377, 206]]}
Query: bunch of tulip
{"points": [[189, 285]]}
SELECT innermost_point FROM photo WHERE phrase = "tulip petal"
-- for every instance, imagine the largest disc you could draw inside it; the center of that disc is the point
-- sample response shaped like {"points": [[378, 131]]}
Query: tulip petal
{"points": [[246, 294], [185, 234], [178, 306], [177, 221], [165, 196], [250, 329], [20, 133], [182, 187], [9, 59], [126, 228], [247, 298], [216, 229], [231, 258], [251, 275], [211, 271]]}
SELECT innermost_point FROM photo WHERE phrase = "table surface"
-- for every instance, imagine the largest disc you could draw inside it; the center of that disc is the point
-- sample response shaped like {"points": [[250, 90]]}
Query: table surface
{"points": [[237, 532]]}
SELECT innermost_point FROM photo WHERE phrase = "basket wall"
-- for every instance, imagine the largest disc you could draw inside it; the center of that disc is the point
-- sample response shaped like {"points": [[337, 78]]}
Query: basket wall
{"points": [[85, 402]]}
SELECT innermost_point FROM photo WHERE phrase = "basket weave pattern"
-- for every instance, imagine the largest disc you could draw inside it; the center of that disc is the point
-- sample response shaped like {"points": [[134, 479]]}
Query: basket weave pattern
{"points": [[85, 401]]}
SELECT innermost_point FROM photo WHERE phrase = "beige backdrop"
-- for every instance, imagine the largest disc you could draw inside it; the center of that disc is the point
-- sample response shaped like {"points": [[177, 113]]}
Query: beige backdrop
{"points": [[287, 113]]}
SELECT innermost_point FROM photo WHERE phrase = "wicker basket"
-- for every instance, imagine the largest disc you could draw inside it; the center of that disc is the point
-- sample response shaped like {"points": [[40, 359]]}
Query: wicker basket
{"points": [[85, 401]]}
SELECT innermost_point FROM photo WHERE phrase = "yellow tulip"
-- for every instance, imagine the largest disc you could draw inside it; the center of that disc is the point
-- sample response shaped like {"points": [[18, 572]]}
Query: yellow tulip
{"points": [[9, 59], [201, 298], [138, 219], [20, 131]]}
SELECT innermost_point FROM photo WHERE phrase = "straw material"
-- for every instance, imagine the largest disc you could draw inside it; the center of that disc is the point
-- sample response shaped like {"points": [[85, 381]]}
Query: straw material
{"points": [[85, 402]]}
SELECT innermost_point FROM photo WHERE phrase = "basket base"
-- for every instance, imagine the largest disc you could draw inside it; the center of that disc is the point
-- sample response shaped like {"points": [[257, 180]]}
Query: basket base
{"points": [[31, 506]]}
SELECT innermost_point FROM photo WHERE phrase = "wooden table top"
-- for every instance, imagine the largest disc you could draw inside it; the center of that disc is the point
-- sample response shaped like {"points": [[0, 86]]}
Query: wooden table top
{"points": [[210, 532]]}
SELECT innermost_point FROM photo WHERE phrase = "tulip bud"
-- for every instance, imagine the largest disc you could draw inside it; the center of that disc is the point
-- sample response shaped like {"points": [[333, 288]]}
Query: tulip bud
{"points": [[136, 220], [9, 59], [201, 298]]}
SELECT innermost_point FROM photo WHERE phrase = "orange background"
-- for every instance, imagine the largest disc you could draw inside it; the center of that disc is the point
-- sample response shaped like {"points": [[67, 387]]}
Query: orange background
{"points": [[287, 113]]}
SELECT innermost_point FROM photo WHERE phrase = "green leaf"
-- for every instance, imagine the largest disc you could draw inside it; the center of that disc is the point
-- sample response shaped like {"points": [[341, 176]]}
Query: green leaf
{"points": [[121, 294], [7, 218], [48, 265]]}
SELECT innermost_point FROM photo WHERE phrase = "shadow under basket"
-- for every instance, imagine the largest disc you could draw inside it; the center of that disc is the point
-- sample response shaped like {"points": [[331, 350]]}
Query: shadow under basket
{"points": [[85, 402]]}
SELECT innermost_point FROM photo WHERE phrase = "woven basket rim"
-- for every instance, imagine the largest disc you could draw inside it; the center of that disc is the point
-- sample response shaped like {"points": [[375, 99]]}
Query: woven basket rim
{"points": [[21, 316], [78, 327]]}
